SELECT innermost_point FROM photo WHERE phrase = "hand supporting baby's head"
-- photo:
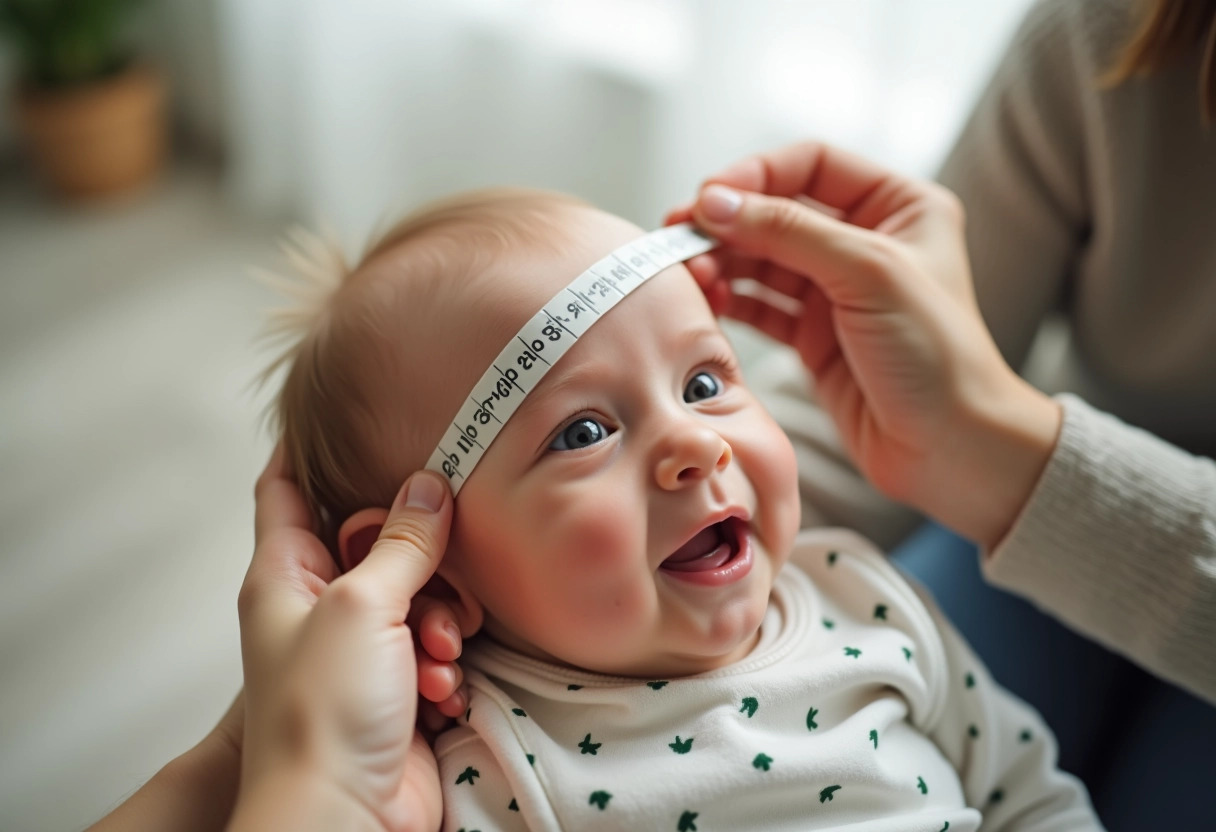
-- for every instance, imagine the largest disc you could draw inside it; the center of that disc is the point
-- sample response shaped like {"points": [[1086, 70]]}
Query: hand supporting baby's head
{"points": [[631, 515]]}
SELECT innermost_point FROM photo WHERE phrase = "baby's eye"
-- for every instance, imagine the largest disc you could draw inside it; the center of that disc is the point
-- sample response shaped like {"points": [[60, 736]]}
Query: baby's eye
{"points": [[579, 434], [702, 386]]}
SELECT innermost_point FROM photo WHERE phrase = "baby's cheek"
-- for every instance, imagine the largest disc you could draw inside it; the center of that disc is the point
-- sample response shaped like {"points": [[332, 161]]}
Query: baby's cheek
{"points": [[602, 543], [776, 481], [604, 563], [596, 523]]}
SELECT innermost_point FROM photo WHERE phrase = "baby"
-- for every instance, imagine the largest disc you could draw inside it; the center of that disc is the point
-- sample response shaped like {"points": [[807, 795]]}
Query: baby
{"points": [[659, 647]]}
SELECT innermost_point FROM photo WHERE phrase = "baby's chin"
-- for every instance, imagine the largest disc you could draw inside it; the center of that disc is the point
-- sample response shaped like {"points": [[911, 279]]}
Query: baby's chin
{"points": [[676, 665], [657, 665]]}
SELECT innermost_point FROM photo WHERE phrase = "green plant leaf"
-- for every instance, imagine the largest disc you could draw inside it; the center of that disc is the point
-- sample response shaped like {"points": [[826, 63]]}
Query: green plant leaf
{"points": [[64, 42]]}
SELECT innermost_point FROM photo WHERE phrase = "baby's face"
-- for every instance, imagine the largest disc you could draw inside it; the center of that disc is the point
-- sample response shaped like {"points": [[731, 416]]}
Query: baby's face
{"points": [[630, 517]]}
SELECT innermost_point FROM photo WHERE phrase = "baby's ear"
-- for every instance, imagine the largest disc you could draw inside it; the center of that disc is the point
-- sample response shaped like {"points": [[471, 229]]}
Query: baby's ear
{"points": [[357, 534], [446, 588]]}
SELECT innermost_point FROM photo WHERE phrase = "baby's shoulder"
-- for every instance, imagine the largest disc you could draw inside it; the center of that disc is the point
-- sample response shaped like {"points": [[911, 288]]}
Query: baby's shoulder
{"points": [[859, 590], [845, 568], [841, 553]]}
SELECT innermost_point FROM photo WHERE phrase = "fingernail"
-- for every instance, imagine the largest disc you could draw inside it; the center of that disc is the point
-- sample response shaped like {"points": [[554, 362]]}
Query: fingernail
{"points": [[453, 634], [720, 203], [425, 491]]}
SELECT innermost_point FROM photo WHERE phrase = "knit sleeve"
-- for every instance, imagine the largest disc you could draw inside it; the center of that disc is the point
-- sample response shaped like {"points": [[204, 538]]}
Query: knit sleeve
{"points": [[1020, 167], [1118, 540]]}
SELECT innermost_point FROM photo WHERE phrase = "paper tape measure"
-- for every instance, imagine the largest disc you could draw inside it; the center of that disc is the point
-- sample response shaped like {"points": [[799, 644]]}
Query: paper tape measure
{"points": [[544, 339]]}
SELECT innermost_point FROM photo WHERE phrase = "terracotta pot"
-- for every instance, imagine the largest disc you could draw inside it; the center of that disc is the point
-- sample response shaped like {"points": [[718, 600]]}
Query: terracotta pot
{"points": [[99, 138]]}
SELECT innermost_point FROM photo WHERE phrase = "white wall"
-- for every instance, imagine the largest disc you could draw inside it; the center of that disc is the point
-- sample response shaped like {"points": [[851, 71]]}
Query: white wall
{"points": [[344, 110]]}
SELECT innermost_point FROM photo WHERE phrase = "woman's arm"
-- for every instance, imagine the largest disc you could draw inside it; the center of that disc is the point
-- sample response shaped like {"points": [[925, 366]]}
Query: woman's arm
{"points": [[1118, 539]]}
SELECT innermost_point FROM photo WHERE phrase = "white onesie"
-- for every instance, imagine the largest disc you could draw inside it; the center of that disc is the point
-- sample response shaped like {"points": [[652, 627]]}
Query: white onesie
{"points": [[860, 706]]}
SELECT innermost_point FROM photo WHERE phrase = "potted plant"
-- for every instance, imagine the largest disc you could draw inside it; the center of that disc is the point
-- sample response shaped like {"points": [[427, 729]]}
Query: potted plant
{"points": [[93, 116]]}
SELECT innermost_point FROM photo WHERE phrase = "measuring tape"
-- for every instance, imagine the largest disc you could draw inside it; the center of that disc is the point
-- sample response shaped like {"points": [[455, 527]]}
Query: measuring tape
{"points": [[544, 339]]}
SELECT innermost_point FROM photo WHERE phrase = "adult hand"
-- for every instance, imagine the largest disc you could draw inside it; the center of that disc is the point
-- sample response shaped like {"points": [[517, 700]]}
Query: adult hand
{"points": [[330, 671], [865, 274]]}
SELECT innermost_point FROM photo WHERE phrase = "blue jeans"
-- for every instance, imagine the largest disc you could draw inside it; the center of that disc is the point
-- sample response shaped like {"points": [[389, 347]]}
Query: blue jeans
{"points": [[1145, 750]]}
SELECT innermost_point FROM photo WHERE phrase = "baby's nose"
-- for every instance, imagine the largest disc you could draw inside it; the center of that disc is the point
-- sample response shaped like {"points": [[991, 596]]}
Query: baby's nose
{"points": [[691, 454]]}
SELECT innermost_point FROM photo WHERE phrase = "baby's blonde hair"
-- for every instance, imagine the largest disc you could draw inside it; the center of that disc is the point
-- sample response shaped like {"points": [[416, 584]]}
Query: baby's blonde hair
{"points": [[333, 326]]}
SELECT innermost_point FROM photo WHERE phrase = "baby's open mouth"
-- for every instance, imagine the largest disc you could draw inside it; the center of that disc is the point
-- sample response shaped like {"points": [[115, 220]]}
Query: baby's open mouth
{"points": [[711, 548]]}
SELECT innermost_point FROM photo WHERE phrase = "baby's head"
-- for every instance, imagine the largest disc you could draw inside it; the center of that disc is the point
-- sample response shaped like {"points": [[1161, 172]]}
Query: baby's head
{"points": [[629, 518]]}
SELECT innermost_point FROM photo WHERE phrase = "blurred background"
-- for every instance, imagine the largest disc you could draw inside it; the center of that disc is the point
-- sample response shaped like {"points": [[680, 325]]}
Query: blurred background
{"points": [[151, 152]]}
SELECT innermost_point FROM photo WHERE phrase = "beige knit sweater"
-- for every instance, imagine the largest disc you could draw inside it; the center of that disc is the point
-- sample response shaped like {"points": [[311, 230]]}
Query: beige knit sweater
{"points": [[1098, 206]]}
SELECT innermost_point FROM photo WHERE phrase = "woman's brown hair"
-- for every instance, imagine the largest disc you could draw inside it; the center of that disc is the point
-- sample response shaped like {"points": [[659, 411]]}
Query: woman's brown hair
{"points": [[1166, 31]]}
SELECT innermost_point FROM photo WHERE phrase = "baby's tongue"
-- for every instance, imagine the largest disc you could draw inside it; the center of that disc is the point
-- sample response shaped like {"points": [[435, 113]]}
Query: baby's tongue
{"points": [[702, 543]]}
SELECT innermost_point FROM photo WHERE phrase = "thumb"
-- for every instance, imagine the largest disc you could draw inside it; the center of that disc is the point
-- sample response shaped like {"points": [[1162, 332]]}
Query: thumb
{"points": [[410, 546], [851, 265]]}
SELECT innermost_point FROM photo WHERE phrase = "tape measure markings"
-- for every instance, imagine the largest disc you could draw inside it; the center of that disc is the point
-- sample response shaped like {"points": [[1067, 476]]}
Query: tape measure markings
{"points": [[558, 321], [547, 336], [525, 343], [492, 416]]}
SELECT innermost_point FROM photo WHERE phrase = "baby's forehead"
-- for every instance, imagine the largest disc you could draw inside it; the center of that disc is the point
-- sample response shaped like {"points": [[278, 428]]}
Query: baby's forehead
{"points": [[477, 270], [483, 298], [444, 307]]}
